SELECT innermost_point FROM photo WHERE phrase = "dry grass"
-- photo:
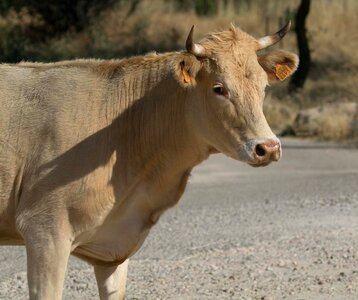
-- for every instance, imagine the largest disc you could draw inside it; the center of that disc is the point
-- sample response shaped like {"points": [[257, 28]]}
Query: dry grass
{"points": [[337, 130], [333, 121]]}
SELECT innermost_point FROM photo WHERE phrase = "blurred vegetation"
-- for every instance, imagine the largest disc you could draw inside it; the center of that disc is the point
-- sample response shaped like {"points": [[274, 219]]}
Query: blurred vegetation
{"points": [[33, 30], [28, 23], [57, 16]]}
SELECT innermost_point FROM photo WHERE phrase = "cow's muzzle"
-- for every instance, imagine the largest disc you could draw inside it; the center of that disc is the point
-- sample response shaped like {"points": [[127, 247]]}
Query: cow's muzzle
{"points": [[259, 153]]}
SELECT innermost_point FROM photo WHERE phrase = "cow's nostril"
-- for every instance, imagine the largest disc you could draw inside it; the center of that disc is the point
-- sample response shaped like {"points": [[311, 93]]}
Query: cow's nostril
{"points": [[260, 151]]}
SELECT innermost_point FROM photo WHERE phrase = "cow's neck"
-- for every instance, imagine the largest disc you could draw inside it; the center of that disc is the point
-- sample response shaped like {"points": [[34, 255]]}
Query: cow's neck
{"points": [[159, 148]]}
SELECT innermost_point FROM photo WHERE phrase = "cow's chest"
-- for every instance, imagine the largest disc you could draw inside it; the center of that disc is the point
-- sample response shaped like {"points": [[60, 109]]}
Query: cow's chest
{"points": [[127, 225], [114, 242]]}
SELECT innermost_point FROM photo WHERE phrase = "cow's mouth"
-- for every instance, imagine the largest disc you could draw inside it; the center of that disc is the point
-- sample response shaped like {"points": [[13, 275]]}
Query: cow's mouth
{"points": [[257, 165]]}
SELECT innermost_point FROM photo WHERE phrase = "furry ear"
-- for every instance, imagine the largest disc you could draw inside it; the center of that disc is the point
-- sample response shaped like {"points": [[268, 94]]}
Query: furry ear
{"points": [[278, 64], [186, 70]]}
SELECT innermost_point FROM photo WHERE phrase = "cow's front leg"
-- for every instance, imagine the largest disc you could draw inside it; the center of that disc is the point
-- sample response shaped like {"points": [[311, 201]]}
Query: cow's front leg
{"points": [[47, 259], [111, 281]]}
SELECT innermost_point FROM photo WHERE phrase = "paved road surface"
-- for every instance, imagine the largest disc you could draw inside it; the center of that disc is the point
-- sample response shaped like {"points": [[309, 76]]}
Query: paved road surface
{"points": [[288, 231]]}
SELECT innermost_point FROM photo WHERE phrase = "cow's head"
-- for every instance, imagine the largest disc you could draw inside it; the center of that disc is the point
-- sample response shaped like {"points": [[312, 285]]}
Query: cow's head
{"points": [[226, 81]]}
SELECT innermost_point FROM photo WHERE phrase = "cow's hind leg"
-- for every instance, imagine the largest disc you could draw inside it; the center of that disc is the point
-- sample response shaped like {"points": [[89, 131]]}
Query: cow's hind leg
{"points": [[47, 259], [111, 281]]}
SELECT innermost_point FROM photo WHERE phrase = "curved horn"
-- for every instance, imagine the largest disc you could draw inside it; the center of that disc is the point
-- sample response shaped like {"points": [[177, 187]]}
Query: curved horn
{"points": [[191, 47], [270, 40]]}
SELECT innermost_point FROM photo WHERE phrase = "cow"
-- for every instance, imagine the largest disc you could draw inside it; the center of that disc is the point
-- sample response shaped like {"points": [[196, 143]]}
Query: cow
{"points": [[92, 152]]}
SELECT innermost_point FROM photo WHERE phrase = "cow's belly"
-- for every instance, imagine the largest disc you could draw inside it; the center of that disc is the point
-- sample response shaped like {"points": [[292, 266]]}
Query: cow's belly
{"points": [[8, 232], [10, 180]]}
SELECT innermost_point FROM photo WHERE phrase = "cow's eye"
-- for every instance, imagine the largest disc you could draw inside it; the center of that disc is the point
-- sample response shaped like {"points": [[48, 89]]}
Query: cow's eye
{"points": [[219, 89]]}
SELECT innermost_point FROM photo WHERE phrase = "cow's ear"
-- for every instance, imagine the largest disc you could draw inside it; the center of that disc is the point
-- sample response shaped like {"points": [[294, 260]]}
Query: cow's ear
{"points": [[186, 69], [279, 64]]}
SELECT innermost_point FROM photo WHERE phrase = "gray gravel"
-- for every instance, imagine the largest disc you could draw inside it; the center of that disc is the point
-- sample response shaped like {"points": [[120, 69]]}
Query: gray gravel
{"points": [[287, 231]]}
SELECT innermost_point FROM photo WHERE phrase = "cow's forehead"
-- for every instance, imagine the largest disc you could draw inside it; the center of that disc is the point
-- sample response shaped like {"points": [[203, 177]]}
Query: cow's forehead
{"points": [[232, 51], [229, 43]]}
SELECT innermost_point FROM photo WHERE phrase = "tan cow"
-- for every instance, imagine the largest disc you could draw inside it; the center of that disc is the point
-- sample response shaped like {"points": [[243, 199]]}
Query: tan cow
{"points": [[92, 152]]}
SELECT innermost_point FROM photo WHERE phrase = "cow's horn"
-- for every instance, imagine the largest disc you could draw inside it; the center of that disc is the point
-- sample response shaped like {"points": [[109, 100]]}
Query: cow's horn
{"points": [[270, 40], [191, 47]]}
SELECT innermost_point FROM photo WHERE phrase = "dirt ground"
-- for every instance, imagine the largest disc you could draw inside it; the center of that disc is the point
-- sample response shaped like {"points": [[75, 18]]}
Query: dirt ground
{"points": [[287, 231]]}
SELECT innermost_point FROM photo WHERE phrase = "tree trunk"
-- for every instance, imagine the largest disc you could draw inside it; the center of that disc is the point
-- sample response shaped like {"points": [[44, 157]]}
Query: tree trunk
{"points": [[299, 78]]}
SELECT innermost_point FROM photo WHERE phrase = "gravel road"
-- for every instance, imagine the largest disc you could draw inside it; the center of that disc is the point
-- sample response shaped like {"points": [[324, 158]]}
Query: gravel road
{"points": [[287, 231]]}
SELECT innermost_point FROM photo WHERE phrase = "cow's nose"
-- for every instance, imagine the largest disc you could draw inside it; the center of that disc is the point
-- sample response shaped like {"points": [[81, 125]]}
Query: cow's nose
{"points": [[267, 151]]}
